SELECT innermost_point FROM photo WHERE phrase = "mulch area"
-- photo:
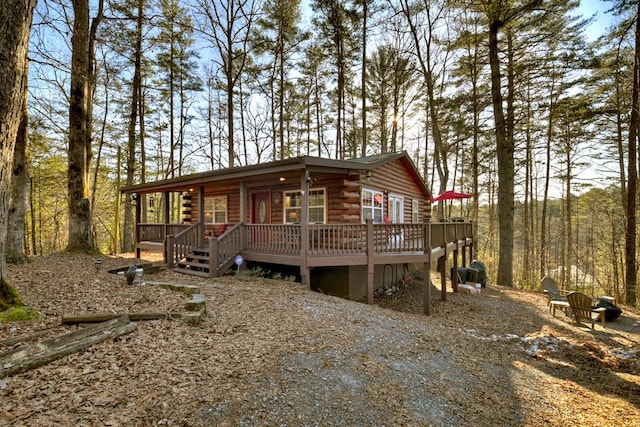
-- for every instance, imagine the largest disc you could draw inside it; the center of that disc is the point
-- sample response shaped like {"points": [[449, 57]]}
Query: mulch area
{"points": [[274, 353]]}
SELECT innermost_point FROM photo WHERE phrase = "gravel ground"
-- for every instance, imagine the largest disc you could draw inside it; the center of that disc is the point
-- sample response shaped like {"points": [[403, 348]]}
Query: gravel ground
{"points": [[272, 353]]}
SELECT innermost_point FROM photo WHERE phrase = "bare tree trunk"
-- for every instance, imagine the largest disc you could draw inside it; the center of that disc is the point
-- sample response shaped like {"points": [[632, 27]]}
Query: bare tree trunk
{"points": [[631, 234], [80, 112], [505, 165], [19, 184], [127, 235], [15, 21]]}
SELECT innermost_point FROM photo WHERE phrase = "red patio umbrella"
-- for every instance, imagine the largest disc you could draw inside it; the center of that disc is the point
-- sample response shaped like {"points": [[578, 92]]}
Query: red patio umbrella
{"points": [[451, 195]]}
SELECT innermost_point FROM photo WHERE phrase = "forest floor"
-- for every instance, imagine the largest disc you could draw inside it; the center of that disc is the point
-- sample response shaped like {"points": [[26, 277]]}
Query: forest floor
{"points": [[270, 352]]}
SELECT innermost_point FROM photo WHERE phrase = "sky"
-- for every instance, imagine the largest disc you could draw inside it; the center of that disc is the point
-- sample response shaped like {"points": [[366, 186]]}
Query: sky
{"points": [[603, 20]]}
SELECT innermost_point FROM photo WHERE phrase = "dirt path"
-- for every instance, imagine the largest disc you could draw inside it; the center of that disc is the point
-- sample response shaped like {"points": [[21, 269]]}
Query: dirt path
{"points": [[274, 353]]}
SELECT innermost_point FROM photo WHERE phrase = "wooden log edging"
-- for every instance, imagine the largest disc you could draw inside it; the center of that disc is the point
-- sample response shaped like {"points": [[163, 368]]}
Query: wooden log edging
{"points": [[31, 356]]}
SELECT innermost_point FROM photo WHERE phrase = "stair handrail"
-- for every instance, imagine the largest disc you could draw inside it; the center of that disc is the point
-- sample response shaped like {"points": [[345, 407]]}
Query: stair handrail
{"points": [[224, 248], [181, 244]]}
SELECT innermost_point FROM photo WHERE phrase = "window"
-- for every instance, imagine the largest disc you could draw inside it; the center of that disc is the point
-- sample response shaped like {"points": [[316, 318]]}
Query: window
{"points": [[415, 214], [293, 206], [395, 210], [215, 210], [372, 206]]}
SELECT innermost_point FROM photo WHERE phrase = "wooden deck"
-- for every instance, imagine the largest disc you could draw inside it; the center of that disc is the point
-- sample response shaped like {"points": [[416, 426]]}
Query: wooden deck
{"points": [[309, 246], [326, 244]]}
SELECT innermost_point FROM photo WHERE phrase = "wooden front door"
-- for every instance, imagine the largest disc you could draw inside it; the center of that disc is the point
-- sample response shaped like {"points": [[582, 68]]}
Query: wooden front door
{"points": [[261, 214], [261, 207]]}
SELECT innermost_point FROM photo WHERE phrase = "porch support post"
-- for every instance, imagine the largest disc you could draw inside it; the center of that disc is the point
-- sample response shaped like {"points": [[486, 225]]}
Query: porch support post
{"points": [[464, 253], [442, 267], [454, 273], [201, 216], [370, 265], [136, 198], [213, 257], [474, 237], [167, 203], [305, 274], [243, 202], [426, 268]]}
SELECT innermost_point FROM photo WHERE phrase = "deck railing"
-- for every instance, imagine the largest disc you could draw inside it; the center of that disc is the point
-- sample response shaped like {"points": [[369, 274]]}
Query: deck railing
{"points": [[324, 239], [279, 239], [158, 232], [224, 248], [184, 243]]}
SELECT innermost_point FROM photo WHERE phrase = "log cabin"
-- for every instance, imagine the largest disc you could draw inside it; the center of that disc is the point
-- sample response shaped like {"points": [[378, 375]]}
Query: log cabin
{"points": [[348, 226]]}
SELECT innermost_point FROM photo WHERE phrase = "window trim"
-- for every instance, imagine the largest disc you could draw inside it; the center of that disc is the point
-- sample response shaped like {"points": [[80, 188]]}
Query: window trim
{"points": [[324, 205], [214, 211], [373, 208], [415, 211]]}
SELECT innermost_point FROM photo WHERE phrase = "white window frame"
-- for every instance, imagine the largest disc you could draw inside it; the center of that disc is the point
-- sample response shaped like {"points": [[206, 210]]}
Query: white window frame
{"points": [[210, 208], [287, 210], [415, 211], [374, 206], [400, 215]]}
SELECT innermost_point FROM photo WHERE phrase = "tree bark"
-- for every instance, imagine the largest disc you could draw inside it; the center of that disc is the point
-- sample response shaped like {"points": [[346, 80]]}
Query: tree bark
{"points": [[504, 150], [15, 20], [136, 84], [19, 185], [79, 154]]}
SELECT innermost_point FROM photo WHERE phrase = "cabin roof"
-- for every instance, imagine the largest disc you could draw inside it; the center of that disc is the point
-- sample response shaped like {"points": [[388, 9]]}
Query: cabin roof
{"points": [[302, 163]]}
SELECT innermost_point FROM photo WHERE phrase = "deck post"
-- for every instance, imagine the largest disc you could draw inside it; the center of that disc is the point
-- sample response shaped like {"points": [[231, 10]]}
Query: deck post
{"points": [[213, 257], [305, 274], [464, 252], [426, 268], [136, 198], [166, 208], [474, 234], [201, 217], [370, 265], [442, 267], [168, 250], [243, 203], [454, 272]]}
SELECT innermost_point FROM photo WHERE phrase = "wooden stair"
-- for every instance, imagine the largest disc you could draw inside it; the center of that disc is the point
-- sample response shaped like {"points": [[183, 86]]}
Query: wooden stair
{"points": [[195, 264]]}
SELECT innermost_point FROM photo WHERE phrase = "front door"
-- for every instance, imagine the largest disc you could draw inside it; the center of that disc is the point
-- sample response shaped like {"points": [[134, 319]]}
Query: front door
{"points": [[261, 207], [261, 214]]}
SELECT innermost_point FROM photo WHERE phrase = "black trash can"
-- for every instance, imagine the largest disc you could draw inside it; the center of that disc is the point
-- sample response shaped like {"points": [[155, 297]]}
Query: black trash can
{"points": [[482, 272]]}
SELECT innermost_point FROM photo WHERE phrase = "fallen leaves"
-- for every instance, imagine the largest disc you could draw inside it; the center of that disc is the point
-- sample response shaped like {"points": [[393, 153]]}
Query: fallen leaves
{"points": [[274, 353]]}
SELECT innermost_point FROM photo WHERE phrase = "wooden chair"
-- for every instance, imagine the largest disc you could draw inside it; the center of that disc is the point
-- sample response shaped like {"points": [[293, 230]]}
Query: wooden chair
{"points": [[581, 305], [557, 297]]}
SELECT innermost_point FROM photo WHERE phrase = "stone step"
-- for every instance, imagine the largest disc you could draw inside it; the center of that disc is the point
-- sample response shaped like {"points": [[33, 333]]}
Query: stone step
{"points": [[191, 318], [196, 303]]}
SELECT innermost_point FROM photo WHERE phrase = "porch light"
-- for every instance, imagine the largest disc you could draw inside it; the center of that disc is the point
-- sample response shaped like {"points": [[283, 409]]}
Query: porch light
{"points": [[283, 179]]}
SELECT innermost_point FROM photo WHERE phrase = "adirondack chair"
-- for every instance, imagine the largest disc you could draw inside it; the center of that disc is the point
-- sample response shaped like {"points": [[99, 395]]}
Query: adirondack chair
{"points": [[557, 297], [581, 305]]}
